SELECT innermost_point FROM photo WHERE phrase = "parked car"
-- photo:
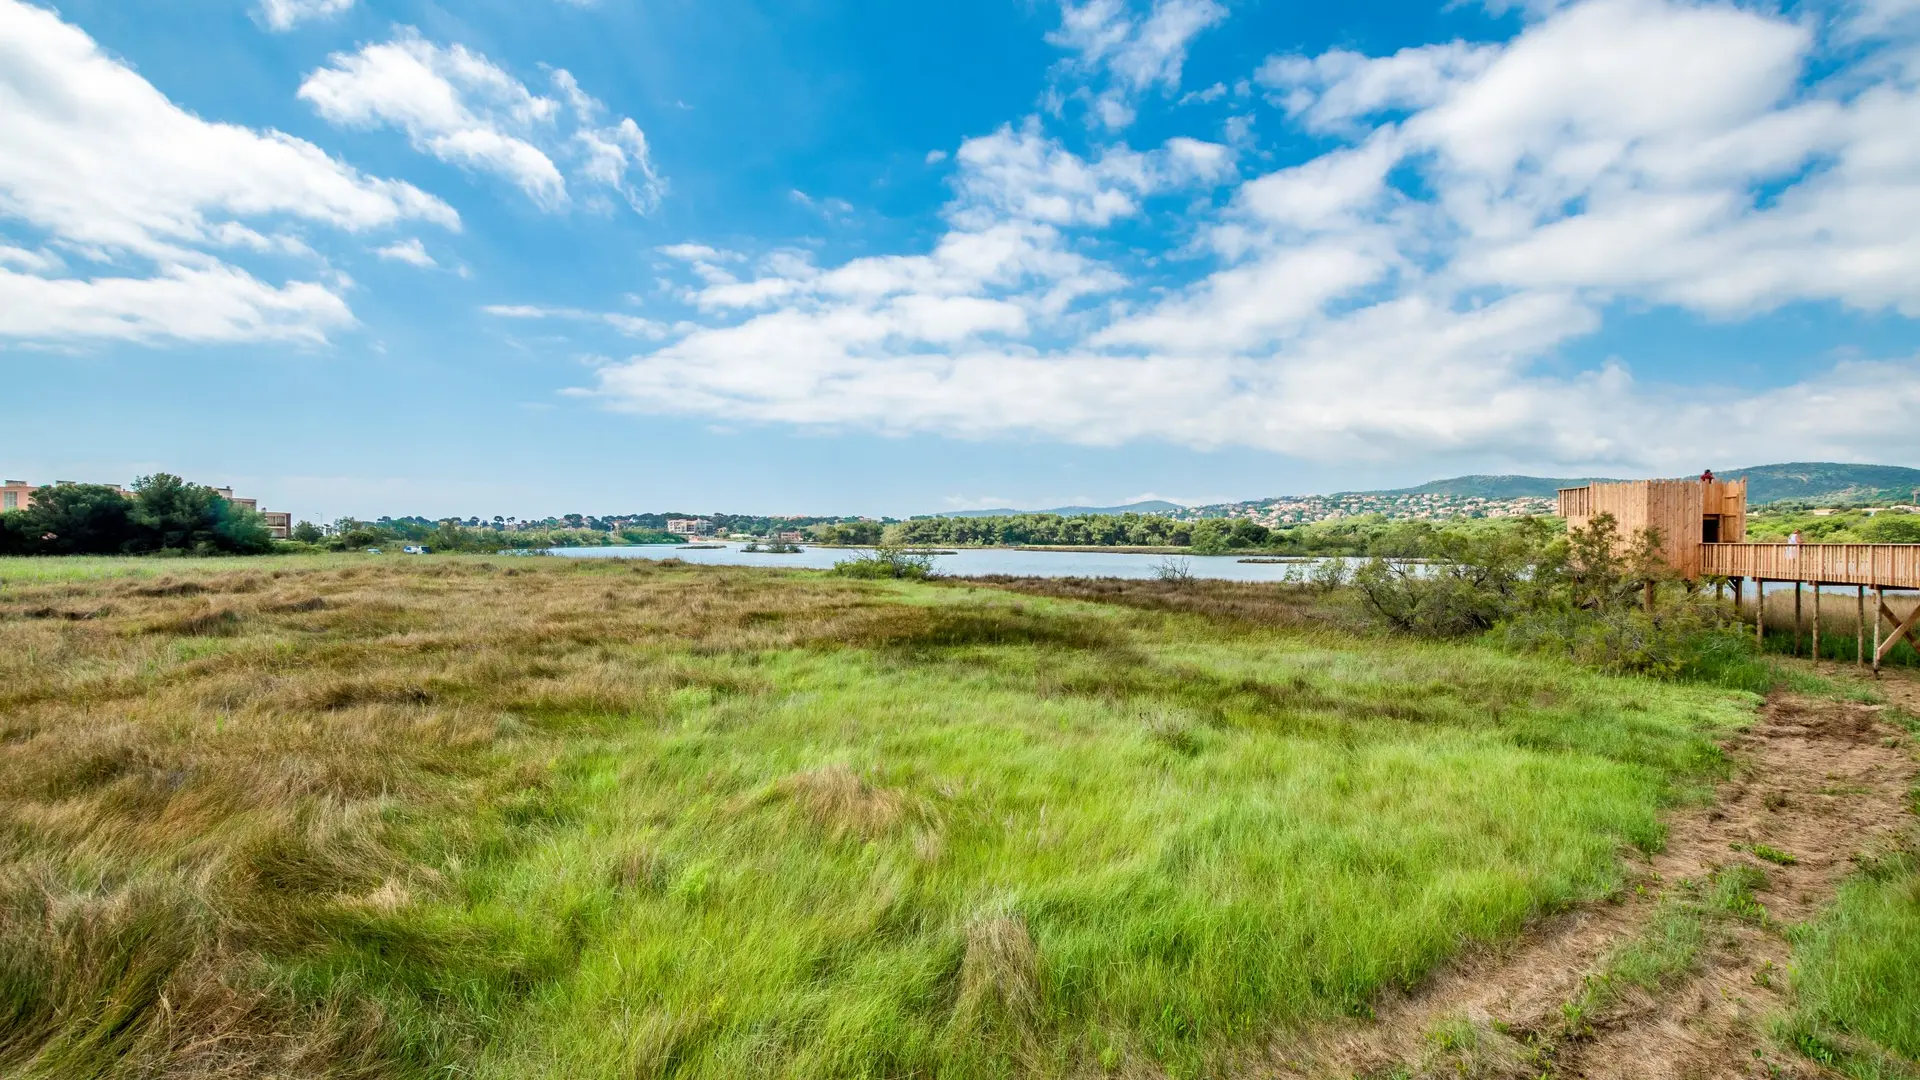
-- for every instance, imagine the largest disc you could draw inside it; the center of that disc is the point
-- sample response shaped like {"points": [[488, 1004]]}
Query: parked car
{"points": [[416, 549]]}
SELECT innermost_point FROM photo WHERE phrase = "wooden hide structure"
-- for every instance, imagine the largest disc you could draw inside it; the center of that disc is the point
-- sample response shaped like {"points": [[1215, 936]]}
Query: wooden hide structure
{"points": [[1686, 513], [1702, 526]]}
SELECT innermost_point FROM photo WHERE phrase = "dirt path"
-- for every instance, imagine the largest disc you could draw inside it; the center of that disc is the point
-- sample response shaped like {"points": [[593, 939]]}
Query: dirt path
{"points": [[1819, 781]]}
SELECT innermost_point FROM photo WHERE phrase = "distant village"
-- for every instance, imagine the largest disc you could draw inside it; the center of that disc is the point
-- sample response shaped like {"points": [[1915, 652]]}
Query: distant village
{"points": [[1304, 509]]}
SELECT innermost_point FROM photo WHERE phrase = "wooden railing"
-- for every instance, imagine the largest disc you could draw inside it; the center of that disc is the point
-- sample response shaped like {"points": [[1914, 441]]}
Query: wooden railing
{"points": [[1894, 566]]}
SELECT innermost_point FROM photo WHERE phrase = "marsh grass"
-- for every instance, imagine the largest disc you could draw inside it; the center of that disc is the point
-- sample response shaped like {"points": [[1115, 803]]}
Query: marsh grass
{"points": [[1857, 973], [525, 818], [1839, 627]]}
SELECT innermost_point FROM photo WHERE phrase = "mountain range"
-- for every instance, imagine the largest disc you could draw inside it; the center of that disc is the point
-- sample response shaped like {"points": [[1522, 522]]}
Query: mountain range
{"points": [[1811, 481], [1801, 481]]}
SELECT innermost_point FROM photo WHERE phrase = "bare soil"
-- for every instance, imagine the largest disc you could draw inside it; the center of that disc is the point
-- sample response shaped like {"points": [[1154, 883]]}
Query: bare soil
{"points": [[1822, 781]]}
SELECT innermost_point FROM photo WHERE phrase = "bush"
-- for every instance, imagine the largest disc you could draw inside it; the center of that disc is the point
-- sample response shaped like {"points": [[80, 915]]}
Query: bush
{"points": [[1589, 596], [886, 562], [1465, 582], [1688, 637], [1893, 529]]}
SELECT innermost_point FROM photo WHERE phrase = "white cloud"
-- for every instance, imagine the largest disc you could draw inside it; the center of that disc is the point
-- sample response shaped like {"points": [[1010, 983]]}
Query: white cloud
{"points": [[283, 15], [698, 253], [214, 303], [410, 251], [630, 325], [1135, 53], [1331, 91], [147, 200], [1393, 295], [1022, 174], [464, 109]]}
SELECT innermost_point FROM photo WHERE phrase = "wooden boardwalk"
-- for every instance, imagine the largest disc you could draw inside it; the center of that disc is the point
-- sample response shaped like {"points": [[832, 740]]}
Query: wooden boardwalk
{"points": [[1887, 566]]}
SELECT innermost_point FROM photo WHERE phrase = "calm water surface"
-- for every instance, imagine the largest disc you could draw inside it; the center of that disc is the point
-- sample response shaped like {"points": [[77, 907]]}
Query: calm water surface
{"points": [[967, 562]]}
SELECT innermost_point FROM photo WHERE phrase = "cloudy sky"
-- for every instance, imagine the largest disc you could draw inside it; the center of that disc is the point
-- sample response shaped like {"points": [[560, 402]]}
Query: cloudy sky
{"points": [[543, 256]]}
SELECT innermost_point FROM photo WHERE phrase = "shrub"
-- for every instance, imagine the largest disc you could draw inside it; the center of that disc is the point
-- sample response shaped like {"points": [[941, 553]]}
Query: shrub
{"points": [[886, 562]]}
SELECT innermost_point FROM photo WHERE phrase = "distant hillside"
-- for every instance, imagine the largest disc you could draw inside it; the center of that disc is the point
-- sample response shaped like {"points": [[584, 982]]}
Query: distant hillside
{"points": [[1491, 487], [1813, 481], [1825, 481], [1151, 506]]}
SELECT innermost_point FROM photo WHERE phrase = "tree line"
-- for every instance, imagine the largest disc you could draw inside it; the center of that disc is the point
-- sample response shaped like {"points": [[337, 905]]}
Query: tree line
{"points": [[1354, 536], [164, 514], [349, 534]]}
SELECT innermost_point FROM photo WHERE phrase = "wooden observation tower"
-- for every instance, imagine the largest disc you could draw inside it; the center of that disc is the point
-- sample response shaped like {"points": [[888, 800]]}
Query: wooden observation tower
{"points": [[1702, 525]]}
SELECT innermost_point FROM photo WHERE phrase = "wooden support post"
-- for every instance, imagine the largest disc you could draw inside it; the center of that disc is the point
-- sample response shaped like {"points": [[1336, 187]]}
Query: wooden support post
{"points": [[1760, 615], [1860, 650], [1813, 649], [1798, 626], [1739, 595], [1879, 605]]}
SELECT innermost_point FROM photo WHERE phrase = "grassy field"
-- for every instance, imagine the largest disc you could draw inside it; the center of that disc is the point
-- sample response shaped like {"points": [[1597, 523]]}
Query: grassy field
{"points": [[1857, 967], [440, 817]]}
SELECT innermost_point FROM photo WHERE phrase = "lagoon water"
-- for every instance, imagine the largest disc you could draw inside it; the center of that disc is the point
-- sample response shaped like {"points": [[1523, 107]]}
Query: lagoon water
{"points": [[968, 562]]}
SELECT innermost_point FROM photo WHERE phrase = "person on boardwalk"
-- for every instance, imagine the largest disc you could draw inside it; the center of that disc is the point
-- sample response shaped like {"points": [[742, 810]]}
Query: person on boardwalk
{"points": [[1706, 476], [1793, 545]]}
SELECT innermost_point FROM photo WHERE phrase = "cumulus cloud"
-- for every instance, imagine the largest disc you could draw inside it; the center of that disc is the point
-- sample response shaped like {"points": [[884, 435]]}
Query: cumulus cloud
{"points": [[136, 204], [1482, 206], [1128, 53], [462, 108], [284, 15], [410, 251]]}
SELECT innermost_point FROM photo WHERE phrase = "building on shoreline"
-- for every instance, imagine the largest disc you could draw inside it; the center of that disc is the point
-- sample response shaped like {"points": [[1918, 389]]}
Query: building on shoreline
{"points": [[689, 527]]}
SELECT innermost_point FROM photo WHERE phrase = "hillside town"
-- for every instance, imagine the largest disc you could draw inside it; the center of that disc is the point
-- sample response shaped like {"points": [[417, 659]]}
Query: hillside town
{"points": [[1304, 509]]}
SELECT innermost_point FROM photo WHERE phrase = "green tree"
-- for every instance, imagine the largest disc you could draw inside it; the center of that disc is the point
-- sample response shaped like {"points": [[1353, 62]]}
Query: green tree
{"points": [[1892, 529], [308, 533], [171, 514], [1210, 536], [16, 535], [79, 519]]}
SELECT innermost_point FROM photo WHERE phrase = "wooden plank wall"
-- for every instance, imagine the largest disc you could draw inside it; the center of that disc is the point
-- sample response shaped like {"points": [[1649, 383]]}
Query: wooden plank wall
{"points": [[1894, 566], [1673, 507], [1576, 505], [1731, 497]]}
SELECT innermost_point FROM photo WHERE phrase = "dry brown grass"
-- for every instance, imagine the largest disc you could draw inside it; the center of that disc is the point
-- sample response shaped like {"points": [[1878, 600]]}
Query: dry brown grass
{"points": [[200, 771], [999, 975], [842, 802]]}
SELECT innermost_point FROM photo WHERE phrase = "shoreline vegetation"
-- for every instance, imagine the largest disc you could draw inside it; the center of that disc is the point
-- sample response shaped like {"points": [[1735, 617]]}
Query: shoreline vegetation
{"points": [[454, 815]]}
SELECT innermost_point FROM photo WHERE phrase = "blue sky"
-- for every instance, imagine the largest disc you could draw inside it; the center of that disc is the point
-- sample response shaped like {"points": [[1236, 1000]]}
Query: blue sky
{"points": [[360, 257]]}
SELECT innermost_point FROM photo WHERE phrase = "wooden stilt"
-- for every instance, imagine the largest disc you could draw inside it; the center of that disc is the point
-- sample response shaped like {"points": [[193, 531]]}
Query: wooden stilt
{"points": [[1879, 605], [1798, 626], [1813, 644], [1739, 595], [1860, 650], [1760, 614]]}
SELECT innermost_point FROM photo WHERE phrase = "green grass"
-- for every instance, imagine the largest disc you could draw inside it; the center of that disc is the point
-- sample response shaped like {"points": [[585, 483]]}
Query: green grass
{"points": [[424, 818], [16, 572], [1857, 974]]}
